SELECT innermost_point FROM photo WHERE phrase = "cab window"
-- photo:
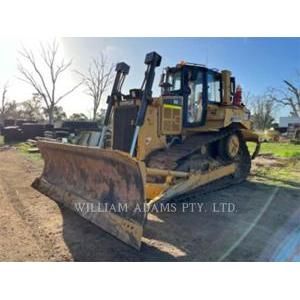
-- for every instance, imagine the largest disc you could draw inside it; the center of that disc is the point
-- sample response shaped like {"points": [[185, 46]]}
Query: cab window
{"points": [[174, 79], [195, 99], [214, 87]]}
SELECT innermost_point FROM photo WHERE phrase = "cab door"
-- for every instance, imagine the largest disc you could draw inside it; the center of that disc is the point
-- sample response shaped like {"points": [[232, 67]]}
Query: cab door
{"points": [[195, 94]]}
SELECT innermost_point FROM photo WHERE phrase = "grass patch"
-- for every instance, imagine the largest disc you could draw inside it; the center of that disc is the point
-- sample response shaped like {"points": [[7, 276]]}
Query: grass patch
{"points": [[285, 175], [281, 150], [287, 172], [23, 149]]}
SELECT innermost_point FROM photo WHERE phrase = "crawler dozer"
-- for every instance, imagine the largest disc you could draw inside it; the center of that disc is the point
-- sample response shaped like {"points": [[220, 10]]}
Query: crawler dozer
{"points": [[189, 140]]}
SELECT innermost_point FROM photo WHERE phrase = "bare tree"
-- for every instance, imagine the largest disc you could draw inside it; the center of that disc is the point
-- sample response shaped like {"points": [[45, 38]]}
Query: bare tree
{"points": [[262, 112], [3, 102], [294, 101], [97, 80], [45, 82], [288, 96], [58, 113]]}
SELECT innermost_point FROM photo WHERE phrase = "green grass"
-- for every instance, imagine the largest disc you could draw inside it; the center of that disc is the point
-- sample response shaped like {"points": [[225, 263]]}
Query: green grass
{"points": [[281, 150], [287, 174], [23, 149], [288, 170]]}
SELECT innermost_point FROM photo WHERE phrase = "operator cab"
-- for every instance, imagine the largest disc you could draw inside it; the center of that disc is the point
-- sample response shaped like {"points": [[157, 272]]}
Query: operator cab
{"points": [[198, 86]]}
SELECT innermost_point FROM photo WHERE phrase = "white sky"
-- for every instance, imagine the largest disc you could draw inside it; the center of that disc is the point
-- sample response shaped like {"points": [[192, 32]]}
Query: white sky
{"points": [[18, 90]]}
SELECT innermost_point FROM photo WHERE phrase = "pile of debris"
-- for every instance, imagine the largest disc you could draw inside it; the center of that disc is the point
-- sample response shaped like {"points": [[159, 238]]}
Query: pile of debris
{"points": [[73, 128], [86, 133], [24, 131], [32, 146], [92, 138]]}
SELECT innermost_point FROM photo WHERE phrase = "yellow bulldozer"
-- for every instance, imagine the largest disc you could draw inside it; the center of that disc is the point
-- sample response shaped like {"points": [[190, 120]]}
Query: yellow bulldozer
{"points": [[188, 141]]}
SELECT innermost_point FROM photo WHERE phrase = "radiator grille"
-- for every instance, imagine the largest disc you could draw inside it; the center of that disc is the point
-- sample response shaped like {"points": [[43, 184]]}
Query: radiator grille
{"points": [[123, 124], [171, 119]]}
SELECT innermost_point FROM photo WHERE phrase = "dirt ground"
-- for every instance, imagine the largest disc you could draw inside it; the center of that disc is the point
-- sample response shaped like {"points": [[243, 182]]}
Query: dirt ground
{"points": [[264, 224]]}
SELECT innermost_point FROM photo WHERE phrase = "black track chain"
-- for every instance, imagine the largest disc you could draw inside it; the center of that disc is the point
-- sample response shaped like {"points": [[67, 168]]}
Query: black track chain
{"points": [[169, 157], [244, 165], [243, 160]]}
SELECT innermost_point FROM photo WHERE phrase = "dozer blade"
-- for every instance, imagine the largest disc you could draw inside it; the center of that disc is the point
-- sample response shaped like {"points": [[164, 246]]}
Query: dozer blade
{"points": [[105, 187]]}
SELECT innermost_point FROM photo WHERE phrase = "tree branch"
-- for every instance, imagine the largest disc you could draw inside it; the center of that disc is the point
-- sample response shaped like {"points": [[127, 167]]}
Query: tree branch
{"points": [[97, 79], [31, 59], [45, 82], [67, 93]]}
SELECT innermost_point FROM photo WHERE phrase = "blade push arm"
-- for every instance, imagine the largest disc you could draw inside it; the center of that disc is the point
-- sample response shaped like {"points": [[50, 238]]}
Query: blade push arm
{"points": [[122, 69], [152, 60]]}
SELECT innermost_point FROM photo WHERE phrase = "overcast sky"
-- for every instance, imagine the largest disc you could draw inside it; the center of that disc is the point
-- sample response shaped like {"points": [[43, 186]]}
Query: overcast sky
{"points": [[257, 63]]}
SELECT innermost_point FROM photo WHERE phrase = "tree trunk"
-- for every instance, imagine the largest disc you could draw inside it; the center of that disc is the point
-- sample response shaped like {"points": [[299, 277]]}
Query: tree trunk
{"points": [[94, 114], [51, 111]]}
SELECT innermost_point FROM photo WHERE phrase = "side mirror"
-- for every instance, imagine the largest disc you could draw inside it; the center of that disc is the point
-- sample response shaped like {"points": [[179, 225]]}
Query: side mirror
{"points": [[164, 85], [162, 79]]}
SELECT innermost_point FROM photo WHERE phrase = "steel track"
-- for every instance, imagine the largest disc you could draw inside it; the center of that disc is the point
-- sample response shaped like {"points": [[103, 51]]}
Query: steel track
{"points": [[170, 158]]}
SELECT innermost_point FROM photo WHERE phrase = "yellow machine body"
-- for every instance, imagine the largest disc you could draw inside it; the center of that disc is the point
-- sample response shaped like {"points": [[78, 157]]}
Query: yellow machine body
{"points": [[115, 186]]}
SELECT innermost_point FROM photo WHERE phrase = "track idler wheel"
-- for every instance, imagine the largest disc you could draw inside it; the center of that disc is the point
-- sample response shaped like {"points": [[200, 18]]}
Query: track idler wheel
{"points": [[229, 147]]}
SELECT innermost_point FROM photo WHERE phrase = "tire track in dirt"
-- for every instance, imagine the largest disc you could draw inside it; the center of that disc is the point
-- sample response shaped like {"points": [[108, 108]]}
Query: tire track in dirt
{"points": [[17, 242], [30, 221], [33, 209]]}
